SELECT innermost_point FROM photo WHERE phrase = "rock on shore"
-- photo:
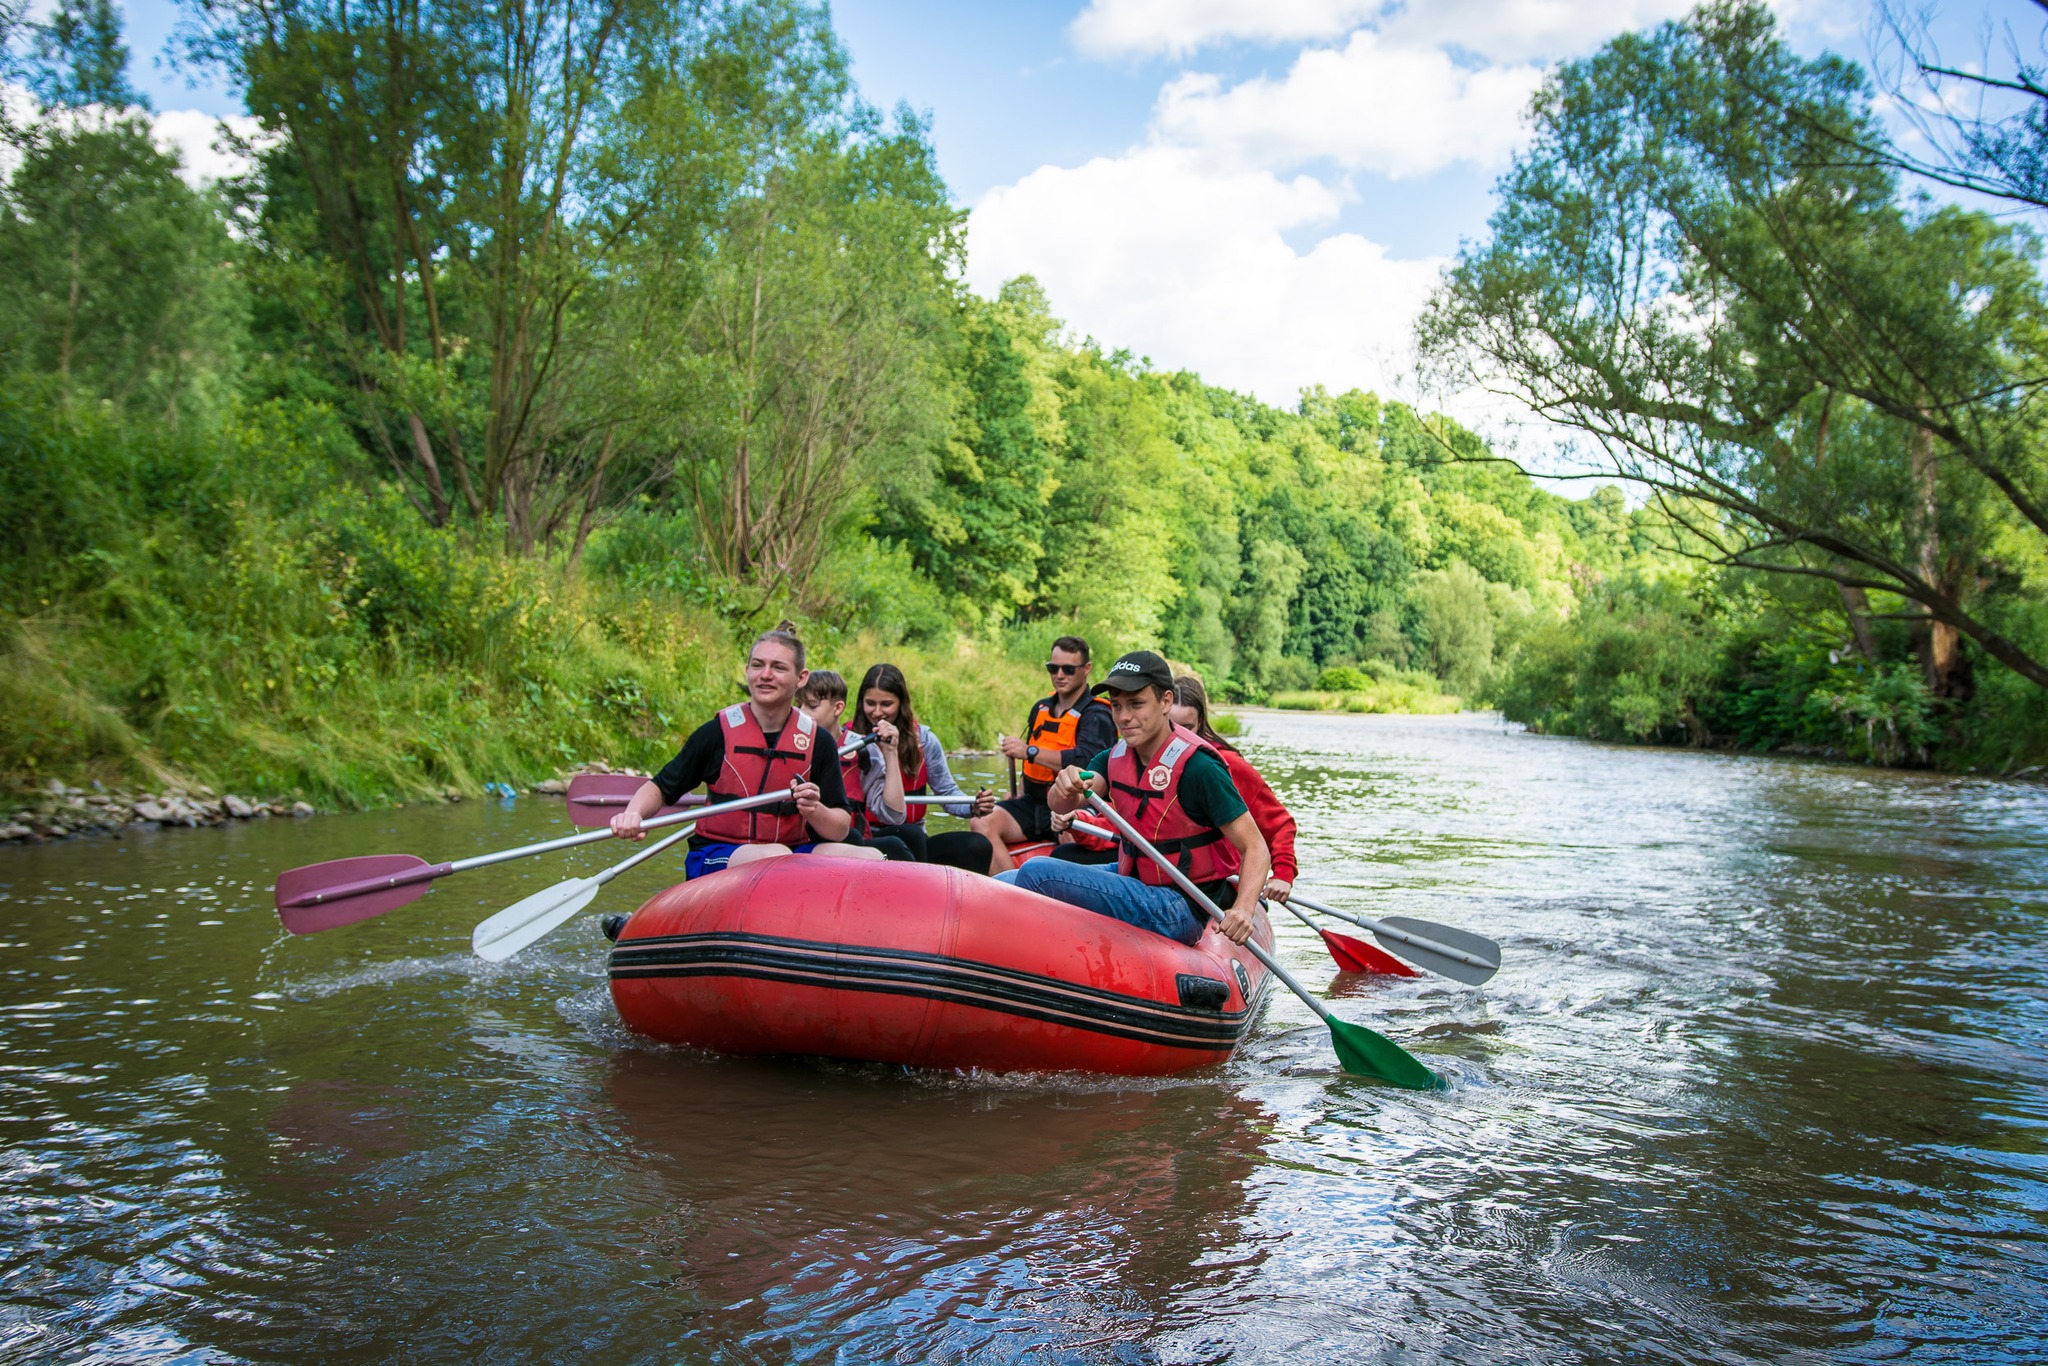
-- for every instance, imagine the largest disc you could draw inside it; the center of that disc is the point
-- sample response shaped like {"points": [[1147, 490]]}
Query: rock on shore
{"points": [[60, 811]]}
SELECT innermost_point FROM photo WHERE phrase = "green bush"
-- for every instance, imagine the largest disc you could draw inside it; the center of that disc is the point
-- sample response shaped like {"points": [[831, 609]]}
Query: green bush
{"points": [[1343, 678]]}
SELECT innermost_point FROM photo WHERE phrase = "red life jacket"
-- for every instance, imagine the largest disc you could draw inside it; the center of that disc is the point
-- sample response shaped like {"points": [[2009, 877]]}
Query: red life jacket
{"points": [[750, 768], [856, 794], [916, 785], [1150, 800]]}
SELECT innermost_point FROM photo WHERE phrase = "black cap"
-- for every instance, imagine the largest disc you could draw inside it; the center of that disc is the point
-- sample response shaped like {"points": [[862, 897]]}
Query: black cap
{"points": [[1138, 669]]}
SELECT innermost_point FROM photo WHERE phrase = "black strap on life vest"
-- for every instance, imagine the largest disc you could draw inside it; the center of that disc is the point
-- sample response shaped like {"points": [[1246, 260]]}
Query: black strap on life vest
{"points": [[1182, 851]]}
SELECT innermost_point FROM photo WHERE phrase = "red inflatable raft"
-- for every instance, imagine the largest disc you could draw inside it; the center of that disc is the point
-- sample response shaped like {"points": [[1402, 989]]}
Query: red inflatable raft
{"points": [[912, 963]]}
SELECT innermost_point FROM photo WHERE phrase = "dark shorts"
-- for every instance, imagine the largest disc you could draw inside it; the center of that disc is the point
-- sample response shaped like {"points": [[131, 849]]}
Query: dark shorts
{"points": [[711, 858], [1033, 817]]}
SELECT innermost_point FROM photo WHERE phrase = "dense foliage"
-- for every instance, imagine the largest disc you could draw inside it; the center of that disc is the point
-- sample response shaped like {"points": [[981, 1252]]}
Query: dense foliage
{"points": [[1705, 265], [547, 351]]}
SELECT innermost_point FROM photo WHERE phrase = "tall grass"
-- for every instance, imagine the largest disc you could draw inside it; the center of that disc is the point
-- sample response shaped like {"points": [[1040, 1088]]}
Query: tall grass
{"points": [[232, 609]]}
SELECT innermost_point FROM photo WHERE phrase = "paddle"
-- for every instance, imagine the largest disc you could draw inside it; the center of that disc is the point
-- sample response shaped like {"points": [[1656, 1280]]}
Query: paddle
{"points": [[594, 798], [534, 918], [1350, 955], [1453, 953], [1359, 1049], [321, 896], [1354, 955]]}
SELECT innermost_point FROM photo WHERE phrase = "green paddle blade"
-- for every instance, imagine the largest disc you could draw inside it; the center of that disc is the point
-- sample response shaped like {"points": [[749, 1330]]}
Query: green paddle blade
{"points": [[1366, 1054]]}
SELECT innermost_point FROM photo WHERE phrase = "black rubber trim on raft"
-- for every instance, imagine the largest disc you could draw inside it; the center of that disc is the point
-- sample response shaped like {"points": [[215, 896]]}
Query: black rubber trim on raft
{"points": [[931, 977]]}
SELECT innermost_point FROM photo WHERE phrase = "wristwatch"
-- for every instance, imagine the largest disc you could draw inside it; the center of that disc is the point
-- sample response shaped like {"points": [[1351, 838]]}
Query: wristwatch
{"points": [[1031, 753]]}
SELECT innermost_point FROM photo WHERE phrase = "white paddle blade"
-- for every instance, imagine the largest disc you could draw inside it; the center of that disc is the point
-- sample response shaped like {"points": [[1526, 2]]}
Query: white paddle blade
{"points": [[529, 921]]}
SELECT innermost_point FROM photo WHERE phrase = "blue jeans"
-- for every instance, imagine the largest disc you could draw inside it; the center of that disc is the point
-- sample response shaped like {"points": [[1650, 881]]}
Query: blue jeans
{"points": [[706, 859], [1102, 889]]}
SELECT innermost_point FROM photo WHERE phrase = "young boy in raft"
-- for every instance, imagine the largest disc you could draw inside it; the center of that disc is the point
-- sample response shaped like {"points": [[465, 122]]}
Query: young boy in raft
{"points": [[1191, 709], [761, 745], [915, 752], [823, 699], [1065, 728], [1175, 791]]}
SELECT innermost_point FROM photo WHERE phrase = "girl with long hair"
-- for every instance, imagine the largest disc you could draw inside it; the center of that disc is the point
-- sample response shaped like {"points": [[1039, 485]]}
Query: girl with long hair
{"points": [[884, 710]]}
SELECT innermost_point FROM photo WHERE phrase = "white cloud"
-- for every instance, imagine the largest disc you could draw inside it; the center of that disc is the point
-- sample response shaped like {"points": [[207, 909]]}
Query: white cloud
{"points": [[1174, 28], [1368, 105], [1188, 263], [195, 137], [1505, 30], [1520, 30], [187, 132]]}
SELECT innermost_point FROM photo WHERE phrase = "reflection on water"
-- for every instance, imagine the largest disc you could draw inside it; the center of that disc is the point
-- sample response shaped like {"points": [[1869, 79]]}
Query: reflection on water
{"points": [[1761, 1077]]}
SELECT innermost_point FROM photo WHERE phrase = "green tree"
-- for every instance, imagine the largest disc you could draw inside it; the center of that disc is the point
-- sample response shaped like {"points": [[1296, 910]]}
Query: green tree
{"points": [[977, 525], [1456, 625], [1694, 264]]}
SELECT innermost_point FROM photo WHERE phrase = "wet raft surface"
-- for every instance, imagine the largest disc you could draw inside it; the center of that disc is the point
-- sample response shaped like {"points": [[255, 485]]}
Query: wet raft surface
{"points": [[1762, 1077]]}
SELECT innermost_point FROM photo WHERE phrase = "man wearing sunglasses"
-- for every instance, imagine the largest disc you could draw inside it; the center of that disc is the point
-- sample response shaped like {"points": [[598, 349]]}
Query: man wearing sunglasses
{"points": [[1069, 727]]}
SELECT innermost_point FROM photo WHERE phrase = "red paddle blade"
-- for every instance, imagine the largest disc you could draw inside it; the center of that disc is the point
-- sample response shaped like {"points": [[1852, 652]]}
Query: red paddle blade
{"points": [[1355, 955], [594, 798], [345, 890]]}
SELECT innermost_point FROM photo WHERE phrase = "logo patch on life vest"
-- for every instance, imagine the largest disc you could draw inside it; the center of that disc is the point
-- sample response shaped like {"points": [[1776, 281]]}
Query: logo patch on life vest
{"points": [[1159, 778], [802, 741], [1244, 981]]}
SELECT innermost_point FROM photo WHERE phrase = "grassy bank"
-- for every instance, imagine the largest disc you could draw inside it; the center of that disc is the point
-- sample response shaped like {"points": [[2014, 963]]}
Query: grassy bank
{"points": [[1392, 691], [229, 614]]}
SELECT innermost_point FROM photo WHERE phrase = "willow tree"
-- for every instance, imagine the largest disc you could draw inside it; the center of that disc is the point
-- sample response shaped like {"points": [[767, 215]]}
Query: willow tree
{"points": [[1702, 265], [445, 176]]}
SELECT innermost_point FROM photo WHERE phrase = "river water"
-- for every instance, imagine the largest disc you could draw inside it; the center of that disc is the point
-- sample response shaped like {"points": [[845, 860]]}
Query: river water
{"points": [[1761, 1077]]}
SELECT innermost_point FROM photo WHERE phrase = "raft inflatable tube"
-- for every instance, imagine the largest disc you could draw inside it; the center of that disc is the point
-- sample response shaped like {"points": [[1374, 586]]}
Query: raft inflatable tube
{"points": [[929, 966]]}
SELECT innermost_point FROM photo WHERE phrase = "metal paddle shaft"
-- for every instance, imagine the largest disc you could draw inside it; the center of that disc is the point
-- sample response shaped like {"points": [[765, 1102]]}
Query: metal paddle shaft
{"points": [[1359, 1049], [321, 896], [594, 798], [1354, 955], [1457, 954], [530, 920]]}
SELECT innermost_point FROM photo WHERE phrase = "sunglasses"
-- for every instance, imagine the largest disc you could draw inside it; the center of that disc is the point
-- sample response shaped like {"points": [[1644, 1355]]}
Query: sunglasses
{"points": [[1057, 669]]}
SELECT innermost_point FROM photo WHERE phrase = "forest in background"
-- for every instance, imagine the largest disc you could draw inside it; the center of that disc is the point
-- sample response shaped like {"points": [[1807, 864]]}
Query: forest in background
{"points": [[548, 350]]}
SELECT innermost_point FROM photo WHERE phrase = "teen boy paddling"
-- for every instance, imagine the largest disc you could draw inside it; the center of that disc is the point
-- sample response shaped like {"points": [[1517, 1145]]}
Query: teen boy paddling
{"points": [[1173, 789], [1066, 728], [763, 744]]}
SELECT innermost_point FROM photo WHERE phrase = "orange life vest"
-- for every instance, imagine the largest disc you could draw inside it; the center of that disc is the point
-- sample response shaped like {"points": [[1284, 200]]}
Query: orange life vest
{"points": [[1150, 800], [1054, 732], [749, 768]]}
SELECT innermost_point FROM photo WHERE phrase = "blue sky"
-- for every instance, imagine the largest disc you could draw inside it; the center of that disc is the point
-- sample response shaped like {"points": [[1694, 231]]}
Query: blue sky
{"points": [[1261, 190]]}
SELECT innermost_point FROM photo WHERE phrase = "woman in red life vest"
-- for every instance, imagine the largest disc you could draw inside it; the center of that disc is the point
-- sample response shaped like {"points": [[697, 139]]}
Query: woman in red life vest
{"points": [[1175, 791], [1191, 709], [910, 748], [823, 699], [761, 745]]}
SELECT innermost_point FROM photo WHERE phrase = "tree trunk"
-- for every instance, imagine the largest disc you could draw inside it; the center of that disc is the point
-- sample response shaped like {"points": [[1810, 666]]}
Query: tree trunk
{"points": [[1941, 644], [1856, 607]]}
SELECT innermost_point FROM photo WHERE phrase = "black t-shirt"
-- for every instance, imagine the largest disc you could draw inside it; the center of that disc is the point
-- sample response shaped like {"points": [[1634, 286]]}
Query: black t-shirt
{"points": [[698, 761], [1094, 732]]}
